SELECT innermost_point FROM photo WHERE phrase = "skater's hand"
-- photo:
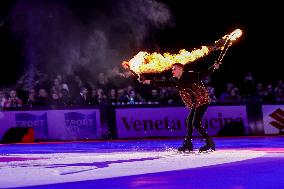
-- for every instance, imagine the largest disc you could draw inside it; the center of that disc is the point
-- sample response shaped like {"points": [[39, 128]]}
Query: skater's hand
{"points": [[147, 81], [216, 65]]}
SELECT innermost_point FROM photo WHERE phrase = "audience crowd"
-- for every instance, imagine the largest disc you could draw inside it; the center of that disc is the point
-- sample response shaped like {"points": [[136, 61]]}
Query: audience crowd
{"points": [[116, 87]]}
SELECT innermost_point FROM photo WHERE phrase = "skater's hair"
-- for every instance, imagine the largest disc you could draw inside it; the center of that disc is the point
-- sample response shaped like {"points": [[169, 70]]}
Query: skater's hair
{"points": [[178, 64]]}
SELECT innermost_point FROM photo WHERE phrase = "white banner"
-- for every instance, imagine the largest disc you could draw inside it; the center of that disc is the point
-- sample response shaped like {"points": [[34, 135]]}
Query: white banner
{"points": [[77, 124], [273, 118], [170, 122]]}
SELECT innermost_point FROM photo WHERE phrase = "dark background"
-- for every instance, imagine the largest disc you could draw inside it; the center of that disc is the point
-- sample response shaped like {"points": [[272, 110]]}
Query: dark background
{"points": [[192, 24]]}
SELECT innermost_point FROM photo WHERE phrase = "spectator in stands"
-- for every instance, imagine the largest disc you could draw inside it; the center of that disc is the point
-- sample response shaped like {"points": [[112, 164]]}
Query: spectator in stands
{"points": [[128, 89], [94, 97], [62, 83], [31, 101], [42, 99], [259, 93], [141, 99], [280, 84], [102, 98], [279, 95], [207, 80], [122, 98], [112, 96], [56, 101], [269, 94], [132, 98], [82, 98], [65, 97], [13, 101], [173, 97], [154, 98], [235, 95], [2, 98], [224, 97], [163, 96], [211, 93], [56, 87]]}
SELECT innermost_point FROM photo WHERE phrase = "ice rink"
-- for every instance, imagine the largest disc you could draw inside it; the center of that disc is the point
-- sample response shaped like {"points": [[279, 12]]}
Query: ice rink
{"points": [[237, 163]]}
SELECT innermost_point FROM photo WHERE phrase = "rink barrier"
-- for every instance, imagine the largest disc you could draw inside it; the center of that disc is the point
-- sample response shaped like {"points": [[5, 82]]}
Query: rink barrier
{"points": [[143, 121], [71, 124]]}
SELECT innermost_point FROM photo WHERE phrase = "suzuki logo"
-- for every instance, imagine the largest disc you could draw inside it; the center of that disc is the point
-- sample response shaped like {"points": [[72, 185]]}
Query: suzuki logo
{"points": [[278, 116]]}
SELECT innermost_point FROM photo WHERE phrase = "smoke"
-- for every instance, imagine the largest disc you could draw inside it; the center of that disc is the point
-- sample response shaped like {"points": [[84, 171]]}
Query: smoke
{"points": [[58, 36]]}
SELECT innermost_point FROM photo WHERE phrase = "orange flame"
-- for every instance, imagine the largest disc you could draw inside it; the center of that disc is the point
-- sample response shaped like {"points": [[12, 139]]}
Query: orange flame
{"points": [[145, 62]]}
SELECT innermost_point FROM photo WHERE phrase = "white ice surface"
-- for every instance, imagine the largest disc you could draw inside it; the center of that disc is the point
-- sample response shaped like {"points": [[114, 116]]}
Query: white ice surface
{"points": [[71, 167]]}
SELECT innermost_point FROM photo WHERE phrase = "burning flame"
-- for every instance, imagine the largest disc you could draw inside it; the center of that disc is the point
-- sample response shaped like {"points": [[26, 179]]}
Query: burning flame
{"points": [[145, 62], [232, 37], [235, 34]]}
